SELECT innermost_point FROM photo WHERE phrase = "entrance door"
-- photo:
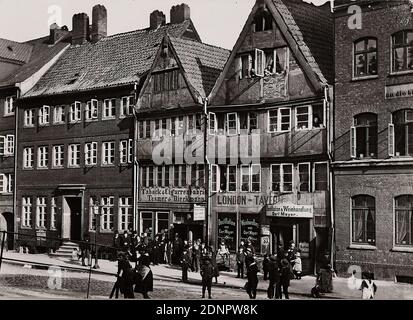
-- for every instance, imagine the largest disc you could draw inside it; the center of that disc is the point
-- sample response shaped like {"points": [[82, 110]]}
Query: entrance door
{"points": [[72, 218], [282, 235]]}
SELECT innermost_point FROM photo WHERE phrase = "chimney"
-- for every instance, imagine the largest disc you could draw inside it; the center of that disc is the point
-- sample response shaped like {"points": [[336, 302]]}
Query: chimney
{"points": [[80, 34], [180, 13], [156, 19], [57, 33], [99, 23]]}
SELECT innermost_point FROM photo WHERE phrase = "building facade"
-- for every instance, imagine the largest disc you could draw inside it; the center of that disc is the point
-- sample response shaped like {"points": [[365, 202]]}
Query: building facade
{"points": [[373, 144], [269, 122], [76, 168]]}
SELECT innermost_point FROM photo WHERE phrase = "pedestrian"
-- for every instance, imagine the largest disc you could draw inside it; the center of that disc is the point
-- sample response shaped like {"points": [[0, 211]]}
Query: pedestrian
{"points": [[252, 274], [250, 246], [134, 243], [155, 250], [126, 276], [116, 245], [273, 277], [223, 251], [144, 281], [177, 249], [240, 262], [207, 273], [126, 242], [185, 264], [169, 251], [162, 249], [297, 267], [196, 255], [214, 262], [85, 250], [280, 253], [285, 276], [265, 262], [292, 251], [368, 287]]}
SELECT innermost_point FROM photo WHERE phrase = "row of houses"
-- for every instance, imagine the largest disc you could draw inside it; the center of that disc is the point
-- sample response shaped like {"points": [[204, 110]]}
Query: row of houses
{"points": [[302, 132]]}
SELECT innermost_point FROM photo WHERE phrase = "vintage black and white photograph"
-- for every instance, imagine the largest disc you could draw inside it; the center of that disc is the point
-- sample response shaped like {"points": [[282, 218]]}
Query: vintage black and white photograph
{"points": [[236, 150]]}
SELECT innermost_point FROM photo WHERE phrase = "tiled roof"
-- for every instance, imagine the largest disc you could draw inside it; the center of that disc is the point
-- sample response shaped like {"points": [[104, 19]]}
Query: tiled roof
{"points": [[313, 29], [201, 62], [114, 60], [15, 51], [41, 53]]}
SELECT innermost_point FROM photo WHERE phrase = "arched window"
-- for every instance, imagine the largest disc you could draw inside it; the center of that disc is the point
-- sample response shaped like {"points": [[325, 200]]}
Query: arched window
{"points": [[364, 136], [364, 220], [404, 220], [402, 51], [401, 133], [365, 57]]}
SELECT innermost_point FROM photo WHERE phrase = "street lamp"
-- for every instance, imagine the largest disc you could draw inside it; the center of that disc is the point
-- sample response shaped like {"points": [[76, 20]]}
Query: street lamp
{"points": [[96, 212]]}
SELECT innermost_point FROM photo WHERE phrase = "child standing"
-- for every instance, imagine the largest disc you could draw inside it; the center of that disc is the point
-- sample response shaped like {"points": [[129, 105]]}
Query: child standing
{"points": [[240, 262], [297, 267]]}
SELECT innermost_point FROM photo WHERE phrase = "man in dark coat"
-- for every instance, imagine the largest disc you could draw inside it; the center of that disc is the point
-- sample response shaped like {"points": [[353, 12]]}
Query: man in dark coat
{"points": [[252, 271], [285, 276], [85, 249], [178, 245], [240, 262], [274, 278], [116, 244], [144, 282], [126, 242], [185, 264], [126, 277], [207, 273], [265, 262]]}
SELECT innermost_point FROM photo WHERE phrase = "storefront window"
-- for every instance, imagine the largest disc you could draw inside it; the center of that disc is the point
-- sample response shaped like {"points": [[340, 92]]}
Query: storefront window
{"points": [[227, 229], [250, 229], [146, 223], [404, 220], [162, 222]]}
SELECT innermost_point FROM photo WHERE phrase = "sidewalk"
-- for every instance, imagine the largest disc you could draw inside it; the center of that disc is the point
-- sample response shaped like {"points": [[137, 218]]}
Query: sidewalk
{"points": [[386, 290]]}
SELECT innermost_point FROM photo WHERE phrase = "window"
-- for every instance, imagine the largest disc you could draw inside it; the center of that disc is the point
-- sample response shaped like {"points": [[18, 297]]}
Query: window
{"points": [[251, 178], [286, 178], [7, 145], [91, 154], [364, 136], [75, 112], [275, 178], [44, 115], [262, 21], [280, 56], [320, 176], [259, 62], [213, 124], [279, 120], [245, 178], [232, 178], [363, 220], [107, 204], [200, 175], [53, 213], [147, 129], [164, 127], [150, 178], [245, 63], [232, 123], [402, 51], [141, 132], [26, 212], [28, 158], [302, 119], [9, 106], [108, 153], [125, 213], [162, 222], [252, 122], [59, 115], [41, 212], [401, 130], [146, 223], [166, 81], [183, 176], [29, 117], [42, 157], [214, 178], [74, 155], [304, 177], [404, 220], [109, 109], [58, 156], [91, 112], [198, 122], [6, 183], [365, 58], [126, 151], [126, 106]]}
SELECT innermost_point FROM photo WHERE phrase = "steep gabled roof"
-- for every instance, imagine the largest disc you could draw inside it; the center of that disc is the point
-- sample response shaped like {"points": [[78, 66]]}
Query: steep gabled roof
{"points": [[297, 28], [115, 60], [201, 62], [15, 51], [41, 53]]}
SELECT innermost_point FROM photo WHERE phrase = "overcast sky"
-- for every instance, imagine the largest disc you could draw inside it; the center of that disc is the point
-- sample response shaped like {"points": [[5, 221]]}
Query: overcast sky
{"points": [[218, 22]]}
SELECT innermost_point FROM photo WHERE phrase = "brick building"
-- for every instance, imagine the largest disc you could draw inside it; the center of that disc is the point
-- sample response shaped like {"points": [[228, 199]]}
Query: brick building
{"points": [[272, 106], [373, 138], [76, 128], [21, 65]]}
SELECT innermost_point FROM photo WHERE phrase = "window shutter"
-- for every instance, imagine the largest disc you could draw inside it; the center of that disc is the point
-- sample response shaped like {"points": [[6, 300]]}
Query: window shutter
{"points": [[353, 142], [259, 62], [239, 67], [212, 123], [249, 65], [274, 67], [391, 139], [2, 145]]}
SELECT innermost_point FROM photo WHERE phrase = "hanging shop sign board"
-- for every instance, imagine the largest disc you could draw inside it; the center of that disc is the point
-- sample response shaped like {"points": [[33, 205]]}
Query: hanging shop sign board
{"points": [[199, 213], [290, 210]]}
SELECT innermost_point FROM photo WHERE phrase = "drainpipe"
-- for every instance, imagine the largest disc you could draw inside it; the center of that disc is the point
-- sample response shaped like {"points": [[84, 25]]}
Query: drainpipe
{"points": [[135, 165], [207, 174], [16, 145]]}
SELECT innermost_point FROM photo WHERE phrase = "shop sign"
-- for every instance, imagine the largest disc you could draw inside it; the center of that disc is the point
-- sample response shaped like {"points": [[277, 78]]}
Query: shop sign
{"points": [[265, 230], [290, 210], [265, 244], [246, 200], [199, 213], [172, 195], [399, 91]]}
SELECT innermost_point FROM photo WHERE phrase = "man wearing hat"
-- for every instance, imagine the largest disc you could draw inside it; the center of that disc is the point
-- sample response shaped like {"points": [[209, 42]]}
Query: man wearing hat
{"points": [[207, 273], [285, 276], [274, 278], [252, 271]]}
